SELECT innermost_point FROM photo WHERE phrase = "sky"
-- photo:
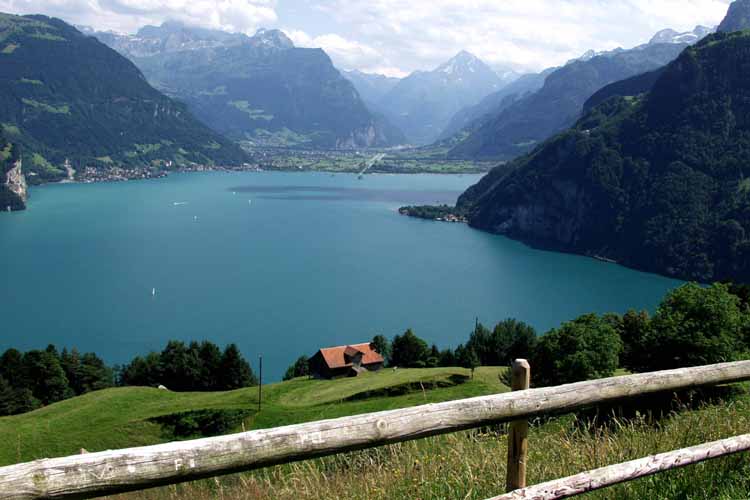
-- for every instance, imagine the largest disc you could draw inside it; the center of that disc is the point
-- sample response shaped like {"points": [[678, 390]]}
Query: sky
{"points": [[396, 37]]}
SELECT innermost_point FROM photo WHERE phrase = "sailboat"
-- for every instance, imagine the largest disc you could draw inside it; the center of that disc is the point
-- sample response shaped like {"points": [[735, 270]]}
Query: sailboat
{"points": [[153, 292], [249, 202]]}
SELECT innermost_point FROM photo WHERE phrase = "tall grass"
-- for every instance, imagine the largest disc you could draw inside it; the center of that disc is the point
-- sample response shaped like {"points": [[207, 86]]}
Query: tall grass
{"points": [[471, 465]]}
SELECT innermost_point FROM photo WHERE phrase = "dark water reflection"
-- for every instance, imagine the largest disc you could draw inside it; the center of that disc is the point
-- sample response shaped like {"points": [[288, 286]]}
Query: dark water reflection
{"points": [[338, 193]]}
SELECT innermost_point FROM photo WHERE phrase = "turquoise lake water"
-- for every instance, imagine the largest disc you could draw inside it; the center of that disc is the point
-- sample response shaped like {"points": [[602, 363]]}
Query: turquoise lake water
{"points": [[281, 264]]}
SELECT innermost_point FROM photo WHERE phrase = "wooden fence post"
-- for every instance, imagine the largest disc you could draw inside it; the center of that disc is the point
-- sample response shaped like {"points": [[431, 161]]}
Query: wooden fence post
{"points": [[518, 431]]}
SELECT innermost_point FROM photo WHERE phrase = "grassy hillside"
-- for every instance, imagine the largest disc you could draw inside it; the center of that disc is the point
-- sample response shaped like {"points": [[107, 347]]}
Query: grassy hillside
{"points": [[471, 465], [123, 417]]}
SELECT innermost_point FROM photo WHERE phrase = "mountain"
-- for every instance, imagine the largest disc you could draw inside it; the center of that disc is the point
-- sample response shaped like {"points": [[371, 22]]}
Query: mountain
{"points": [[260, 90], [633, 86], [657, 182], [507, 74], [371, 87], [689, 37], [473, 117], [422, 104], [559, 103], [738, 17], [64, 95]]}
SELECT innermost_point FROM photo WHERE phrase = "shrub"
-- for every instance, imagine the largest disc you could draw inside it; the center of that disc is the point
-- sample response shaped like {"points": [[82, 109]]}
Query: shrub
{"points": [[300, 368], [585, 348], [409, 351], [693, 326], [382, 346]]}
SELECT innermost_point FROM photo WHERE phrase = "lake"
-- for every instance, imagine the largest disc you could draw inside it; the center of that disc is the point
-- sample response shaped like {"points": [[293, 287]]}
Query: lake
{"points": [[279, 263]]}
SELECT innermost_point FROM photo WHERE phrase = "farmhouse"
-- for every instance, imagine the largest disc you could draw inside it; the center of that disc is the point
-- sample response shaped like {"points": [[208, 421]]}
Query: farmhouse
{"points": [[345, 361]]}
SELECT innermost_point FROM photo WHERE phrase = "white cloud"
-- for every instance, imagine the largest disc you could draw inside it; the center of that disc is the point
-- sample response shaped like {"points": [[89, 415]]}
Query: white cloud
{"points": [[129, 15], [347, 54], [398, 36], [531, 34]]}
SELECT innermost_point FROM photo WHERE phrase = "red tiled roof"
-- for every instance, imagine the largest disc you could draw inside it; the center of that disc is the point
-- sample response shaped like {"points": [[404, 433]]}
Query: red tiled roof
{"points": [[351, 351], [334, 356]]}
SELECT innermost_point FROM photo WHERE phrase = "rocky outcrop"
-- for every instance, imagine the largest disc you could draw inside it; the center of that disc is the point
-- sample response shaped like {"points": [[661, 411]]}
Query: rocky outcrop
{"points": [[16, 188], [558, 216]]}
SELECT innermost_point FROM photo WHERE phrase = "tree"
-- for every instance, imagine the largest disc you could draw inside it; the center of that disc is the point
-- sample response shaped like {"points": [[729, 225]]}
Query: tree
{"points": [[509, 340], [694, 325], [11, 367], [467, 358], [6, 397], [433, 358], [513, 340], [634, 328], [482, 343], [381, 345], [142, 371], [93, 374], [447, 358], [586, 348], [300, 368], [71, 364], [45, 377], [409, 351], [180, 366], [235, 371], [210, 360], [15, 401]]}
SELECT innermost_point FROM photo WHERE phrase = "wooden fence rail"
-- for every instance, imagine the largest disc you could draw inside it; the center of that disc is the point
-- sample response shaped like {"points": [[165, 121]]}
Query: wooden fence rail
{"points": [[627, 471], [96, 474]]}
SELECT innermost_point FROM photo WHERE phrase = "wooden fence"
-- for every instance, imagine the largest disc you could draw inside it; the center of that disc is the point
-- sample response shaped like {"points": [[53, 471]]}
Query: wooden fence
{"points": [[96, 474]]}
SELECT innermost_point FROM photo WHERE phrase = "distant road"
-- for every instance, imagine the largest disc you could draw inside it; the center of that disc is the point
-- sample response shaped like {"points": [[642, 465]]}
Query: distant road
{"points": [[375, 159]]}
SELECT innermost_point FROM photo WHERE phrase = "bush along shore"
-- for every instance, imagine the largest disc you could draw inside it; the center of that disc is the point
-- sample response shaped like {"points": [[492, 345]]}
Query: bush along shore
{"points": [[440, 213]]}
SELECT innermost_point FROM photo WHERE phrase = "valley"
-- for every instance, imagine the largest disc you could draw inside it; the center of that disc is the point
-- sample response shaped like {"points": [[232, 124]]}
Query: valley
{"points": [[427, 160]]}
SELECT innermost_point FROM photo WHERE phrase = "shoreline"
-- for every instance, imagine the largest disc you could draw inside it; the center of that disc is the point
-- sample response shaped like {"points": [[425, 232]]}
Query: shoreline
{"points": [[166, 174]]}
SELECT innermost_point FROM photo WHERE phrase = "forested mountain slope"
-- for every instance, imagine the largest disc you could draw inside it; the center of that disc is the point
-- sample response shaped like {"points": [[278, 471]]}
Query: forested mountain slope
{"points": [[64, 95], [658, 182]]}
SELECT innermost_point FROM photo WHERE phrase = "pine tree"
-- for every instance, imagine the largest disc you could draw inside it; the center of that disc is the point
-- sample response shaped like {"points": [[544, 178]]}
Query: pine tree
{"points": [[210, 356], [235, 371]]}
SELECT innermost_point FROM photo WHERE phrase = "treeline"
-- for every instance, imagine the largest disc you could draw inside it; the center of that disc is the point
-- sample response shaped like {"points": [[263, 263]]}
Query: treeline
{"points": [[193, 367], [37, 378], [693, 325], [431, 212]]}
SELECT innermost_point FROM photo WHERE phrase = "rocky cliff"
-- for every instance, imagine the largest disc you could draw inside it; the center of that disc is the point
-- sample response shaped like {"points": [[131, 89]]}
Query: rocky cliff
{"points": [[13, 191]]}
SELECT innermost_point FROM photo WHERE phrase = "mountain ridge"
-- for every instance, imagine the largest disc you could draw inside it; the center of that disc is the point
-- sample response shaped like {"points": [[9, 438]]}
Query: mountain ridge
{"points": [[259, 90], [558, 104], [422, 104]]}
